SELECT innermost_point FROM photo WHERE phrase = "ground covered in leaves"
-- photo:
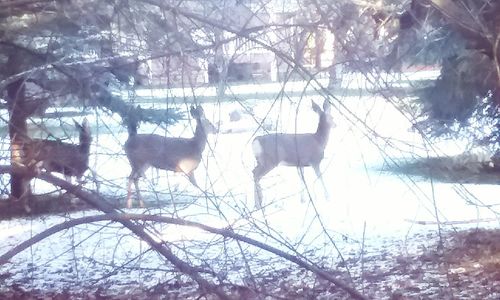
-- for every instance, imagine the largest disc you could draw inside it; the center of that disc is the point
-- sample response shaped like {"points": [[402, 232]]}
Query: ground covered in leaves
{"points": [[446, 264], [457, 265]]}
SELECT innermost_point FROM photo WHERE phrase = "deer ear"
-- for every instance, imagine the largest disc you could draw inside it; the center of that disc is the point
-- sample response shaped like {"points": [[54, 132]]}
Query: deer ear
{"points": [[315, 107], [327, 107], [200, 111], [77, 125], [85, 124]]}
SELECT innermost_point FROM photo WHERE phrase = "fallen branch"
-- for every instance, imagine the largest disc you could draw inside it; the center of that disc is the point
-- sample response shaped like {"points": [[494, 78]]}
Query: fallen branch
{"points": [[18, 169], [102, 205], [126, 220], [121, 217]]}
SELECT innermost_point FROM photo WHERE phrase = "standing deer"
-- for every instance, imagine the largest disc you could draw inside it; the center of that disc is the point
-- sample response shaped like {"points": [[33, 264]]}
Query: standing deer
{"points": [[299, 150], [56, 156], [172, 154]]}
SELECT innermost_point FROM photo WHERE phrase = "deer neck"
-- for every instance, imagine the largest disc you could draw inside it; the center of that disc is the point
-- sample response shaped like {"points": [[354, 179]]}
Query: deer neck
{"points": [[200, 136], [84, 144], [323, 131]]}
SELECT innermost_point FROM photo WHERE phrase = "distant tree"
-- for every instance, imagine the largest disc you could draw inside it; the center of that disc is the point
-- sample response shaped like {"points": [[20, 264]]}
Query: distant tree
{"points": [[363, 32]]}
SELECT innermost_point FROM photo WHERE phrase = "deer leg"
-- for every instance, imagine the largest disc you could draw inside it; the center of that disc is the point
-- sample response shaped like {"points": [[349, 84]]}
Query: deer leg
{"points": [[300, 171], [260, 171], [129, 192], [257, 194], [70, 181], [96, 180], [320, 177], [155, 172], [136, 183], [191, 178], [138, 171], [135, 180]]}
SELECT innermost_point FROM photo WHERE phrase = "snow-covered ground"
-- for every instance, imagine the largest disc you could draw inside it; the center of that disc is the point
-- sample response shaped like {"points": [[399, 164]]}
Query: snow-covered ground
{"points": [[363, 202]]}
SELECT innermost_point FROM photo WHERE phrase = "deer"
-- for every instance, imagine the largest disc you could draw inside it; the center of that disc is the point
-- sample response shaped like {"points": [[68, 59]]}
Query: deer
{"points": [[181, 155], [299, 150], [71, 160]]}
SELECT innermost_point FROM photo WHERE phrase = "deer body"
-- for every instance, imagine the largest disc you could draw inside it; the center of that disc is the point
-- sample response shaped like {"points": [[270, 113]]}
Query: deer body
{"points": [[56, 156], [299, 150], [172, 154]]}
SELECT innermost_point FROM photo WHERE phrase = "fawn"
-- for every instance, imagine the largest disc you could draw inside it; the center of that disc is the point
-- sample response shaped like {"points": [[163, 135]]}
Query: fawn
{"points": [[55, 156]]}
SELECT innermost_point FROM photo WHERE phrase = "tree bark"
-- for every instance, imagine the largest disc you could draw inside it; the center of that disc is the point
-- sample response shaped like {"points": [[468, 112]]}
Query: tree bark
{"points": [[16, 105], [319, 39]]}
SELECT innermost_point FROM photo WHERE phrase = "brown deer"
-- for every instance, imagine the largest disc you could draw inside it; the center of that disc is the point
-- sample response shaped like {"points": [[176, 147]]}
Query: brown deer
{"points": [[172, 154], [299, 150], [55, 156]]}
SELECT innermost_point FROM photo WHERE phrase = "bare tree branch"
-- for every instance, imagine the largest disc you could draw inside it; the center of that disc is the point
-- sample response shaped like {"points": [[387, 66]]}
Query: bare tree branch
{"points": [[161, 248], [126, 220], [453, 12], [228, 233]]}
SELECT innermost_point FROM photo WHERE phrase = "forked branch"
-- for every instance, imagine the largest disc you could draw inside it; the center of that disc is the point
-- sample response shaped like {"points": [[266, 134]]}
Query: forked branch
{"points": [[102, 205], [128, 221], [121, 217]]}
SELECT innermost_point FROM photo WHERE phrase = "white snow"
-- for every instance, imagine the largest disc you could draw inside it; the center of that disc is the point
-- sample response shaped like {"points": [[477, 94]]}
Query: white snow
{"points": [[363, 201]]}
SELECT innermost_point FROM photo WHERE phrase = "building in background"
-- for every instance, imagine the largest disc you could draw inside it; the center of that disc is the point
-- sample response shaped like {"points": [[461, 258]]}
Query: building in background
{"points": [[243, 57]]}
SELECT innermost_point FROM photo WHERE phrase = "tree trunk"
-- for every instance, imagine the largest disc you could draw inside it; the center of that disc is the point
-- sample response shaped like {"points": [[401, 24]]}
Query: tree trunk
{"points": [[300, 44], [319, 40], [16, 104], [220, 65], [335, 70]]}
